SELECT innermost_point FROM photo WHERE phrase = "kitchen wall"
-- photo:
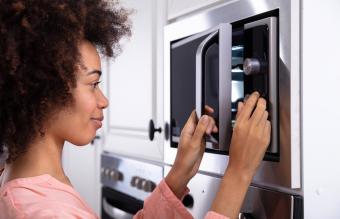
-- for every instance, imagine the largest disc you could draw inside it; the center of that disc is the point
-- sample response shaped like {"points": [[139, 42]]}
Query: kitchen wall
{"points": [[320, 57]]}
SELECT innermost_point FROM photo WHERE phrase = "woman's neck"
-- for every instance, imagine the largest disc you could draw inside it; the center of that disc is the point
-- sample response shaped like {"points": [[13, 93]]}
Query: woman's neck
{"points": [[44, 156]]}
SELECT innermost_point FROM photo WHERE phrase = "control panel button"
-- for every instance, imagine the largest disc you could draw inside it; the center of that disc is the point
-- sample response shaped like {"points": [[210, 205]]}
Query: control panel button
{"points": [[149, 186], [106, 172], [251, 66], [140, 183], [116, 175], [134, 181]]}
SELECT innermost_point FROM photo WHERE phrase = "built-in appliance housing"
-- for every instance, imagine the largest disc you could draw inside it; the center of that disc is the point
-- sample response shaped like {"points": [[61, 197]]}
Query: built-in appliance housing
{"points": [[126, 182], [259, 203], [215, 58]]}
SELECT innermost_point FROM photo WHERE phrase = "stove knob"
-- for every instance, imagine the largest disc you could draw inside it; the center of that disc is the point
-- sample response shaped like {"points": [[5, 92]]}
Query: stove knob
{"points": [[140, 183], [116, 175], [106, 172], [149, 186], [134, 181], [113, 174], [251, 66]]}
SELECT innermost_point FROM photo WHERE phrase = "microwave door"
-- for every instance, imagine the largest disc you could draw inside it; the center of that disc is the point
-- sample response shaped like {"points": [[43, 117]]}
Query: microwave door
{"points": [[260, 68], [213, 83]]}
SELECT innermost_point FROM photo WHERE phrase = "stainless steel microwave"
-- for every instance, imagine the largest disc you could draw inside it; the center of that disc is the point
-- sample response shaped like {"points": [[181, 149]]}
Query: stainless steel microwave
{"points": [[217, 68], [217, 57]]}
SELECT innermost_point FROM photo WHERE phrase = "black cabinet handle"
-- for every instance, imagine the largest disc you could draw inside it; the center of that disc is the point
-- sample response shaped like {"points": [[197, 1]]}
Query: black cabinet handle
{"points": [[166, 131], [95, 138], [152, 130]]}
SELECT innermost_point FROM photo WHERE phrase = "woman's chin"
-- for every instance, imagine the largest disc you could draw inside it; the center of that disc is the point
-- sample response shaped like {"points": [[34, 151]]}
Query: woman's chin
{"points": [[83, 141]]}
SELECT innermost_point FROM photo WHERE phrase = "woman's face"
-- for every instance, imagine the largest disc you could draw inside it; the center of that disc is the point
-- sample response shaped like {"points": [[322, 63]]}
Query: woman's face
{"points": [[78, 124]]}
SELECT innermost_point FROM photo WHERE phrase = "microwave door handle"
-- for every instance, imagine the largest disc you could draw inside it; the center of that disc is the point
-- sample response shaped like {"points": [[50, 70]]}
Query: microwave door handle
{"points": [[200, 54], [225, 57], [224, 32]]}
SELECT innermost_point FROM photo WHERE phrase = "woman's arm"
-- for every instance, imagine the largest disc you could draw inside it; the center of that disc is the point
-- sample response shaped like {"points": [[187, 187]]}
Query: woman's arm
{"points": [[165, 200], [190, 151], [250, 140]]}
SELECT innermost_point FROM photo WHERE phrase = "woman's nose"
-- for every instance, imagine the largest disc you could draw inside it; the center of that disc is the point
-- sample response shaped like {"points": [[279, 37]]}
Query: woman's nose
{"points": [[103, 102]]}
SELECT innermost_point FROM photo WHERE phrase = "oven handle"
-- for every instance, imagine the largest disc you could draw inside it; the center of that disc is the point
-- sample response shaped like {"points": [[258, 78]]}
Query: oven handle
{"points": [[114, 212], [224, 34]]}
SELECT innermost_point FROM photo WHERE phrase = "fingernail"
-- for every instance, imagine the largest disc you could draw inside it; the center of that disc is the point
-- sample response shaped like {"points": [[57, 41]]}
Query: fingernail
{"points": [[246, 97], [205, 119]]}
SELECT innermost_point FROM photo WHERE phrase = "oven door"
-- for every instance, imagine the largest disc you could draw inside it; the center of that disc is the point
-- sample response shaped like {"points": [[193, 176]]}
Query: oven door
{"points": [[118, 205]]}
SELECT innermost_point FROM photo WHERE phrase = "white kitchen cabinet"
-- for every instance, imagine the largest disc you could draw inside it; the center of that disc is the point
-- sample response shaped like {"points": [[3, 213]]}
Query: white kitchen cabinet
{"points": [[133, 84], [178, 8]]}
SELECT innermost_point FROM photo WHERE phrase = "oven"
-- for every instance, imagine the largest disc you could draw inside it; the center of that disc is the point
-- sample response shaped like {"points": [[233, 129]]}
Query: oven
{"points": [[126, 182], [217, 57], [259, 203]]}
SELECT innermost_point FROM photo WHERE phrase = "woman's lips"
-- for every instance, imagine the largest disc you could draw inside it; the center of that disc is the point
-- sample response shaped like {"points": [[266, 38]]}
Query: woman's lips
{"points": [[97, 122]]}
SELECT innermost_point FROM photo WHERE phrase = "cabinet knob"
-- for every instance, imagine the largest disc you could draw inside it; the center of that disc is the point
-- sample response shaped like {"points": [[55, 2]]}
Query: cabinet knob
{"points": [[152, 130], [94, 139], [166, 131]]}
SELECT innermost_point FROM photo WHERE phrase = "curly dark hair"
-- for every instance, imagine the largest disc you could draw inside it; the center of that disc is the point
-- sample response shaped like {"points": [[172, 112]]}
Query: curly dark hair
{"points": [[39, 57]]}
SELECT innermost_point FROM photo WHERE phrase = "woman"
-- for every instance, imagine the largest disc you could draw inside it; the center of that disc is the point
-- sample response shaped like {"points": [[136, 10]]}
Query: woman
{"points": [[49, 94]]}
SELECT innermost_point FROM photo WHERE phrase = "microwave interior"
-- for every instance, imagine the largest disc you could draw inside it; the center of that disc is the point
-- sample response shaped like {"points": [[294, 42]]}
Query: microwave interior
{"points": [[250, 61]]}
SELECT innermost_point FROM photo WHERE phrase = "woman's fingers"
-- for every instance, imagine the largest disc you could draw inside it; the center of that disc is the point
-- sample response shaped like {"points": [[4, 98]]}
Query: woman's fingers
{"points": [[212, 126], [259, 111], [249, 105], [240, 105], [200, 130], [208, 110], [190, 125], [266, 132]]}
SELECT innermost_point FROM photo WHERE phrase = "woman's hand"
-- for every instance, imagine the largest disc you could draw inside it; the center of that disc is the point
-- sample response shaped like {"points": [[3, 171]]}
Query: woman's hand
{"points": [[249, 142], [251, 136], [190, 151]]}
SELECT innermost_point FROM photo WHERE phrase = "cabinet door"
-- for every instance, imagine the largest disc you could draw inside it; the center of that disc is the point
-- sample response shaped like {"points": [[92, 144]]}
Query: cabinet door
{"points": [[178, 8], [133, 85]]}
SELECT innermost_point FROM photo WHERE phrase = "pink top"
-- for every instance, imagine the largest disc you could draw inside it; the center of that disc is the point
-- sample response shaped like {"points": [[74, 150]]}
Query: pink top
{"points": [[45, 197]]}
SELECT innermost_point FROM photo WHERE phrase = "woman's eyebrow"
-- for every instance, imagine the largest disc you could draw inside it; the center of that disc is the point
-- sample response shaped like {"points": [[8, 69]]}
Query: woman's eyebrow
{"points": [[95, 72]]}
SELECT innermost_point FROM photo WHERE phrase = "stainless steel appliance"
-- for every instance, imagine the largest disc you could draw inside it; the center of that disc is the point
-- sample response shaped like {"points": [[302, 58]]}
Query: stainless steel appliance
{"points": [[215, 58], [126, 182], [260, 203]]}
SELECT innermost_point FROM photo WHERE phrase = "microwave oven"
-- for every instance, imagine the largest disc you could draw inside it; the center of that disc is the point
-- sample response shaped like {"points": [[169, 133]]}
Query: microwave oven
{"points": [[217, 68], [215, 58]]}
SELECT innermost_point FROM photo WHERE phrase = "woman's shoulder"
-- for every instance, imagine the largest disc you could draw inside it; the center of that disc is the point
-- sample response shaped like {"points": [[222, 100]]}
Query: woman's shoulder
{"points": [[42, 197]]}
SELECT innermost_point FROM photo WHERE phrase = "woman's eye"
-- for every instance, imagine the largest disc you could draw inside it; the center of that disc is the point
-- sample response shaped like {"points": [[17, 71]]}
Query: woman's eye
{"points": [[95, 85]]}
